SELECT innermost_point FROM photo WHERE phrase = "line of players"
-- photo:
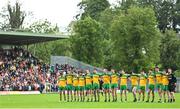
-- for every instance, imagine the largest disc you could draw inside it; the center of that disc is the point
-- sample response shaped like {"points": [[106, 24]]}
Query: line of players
{"points": [[80, 86]]}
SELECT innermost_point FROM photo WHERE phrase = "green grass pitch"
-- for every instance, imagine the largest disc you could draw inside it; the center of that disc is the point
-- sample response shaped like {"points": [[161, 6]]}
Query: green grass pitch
{"points": [[52, 101]]}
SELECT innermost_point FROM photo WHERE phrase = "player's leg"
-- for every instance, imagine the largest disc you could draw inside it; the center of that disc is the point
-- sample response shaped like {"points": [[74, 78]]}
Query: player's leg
{"points": [[67, 95], [88, 93], [109, 94], [64, 94], [60, 95], [80, 91], [173, 92], [94, 92], [160, 93], [168, 96], [83, 94], [169, 90], [98, 95], [121, 92], [105, 92], [95, 95], [148, 97], [71, 95], [152, 95], [91, 94], [134, 93], [105, 95], [143, 93], [125, 94], [115, 93], [75, 94], [164, 93], [173, 96], [139, 92]]}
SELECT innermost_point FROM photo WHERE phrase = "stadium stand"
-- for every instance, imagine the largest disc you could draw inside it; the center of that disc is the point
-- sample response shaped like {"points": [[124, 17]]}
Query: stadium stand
{"points": [[19, 70]]}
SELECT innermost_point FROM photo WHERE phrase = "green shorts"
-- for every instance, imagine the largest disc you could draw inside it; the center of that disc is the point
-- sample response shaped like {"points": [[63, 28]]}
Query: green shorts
{"points": [[95, 86], [81, 88], [143, 88], [114, 85], [75, 88], [159, 86], [151, 86], [106, 86], [123, 87], [61, 88], [69, 87], [88, 86], [165, 88]]}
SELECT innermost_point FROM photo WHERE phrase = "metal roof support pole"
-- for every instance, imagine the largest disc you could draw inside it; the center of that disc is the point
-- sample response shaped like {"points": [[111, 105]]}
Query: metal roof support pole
{"points": [[34, 51], [27, 47]]}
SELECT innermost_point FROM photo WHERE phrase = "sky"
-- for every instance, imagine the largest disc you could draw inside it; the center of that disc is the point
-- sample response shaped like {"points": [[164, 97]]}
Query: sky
{"points": [[61, 12]]}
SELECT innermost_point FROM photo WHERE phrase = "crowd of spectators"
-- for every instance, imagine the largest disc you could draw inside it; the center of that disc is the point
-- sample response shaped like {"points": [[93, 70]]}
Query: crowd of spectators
{"points": [[20, 71]]}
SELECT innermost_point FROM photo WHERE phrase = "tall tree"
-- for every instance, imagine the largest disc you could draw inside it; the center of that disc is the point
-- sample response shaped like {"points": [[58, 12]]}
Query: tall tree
{"points": [[170, 50], [92, 8], [106, 19], [136, 39], [87, 41], [13, 17]]}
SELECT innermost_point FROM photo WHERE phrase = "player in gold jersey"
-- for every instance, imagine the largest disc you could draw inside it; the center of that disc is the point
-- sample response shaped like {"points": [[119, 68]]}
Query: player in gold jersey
{"points": [[106, 85], [165, 83], [76, 87], [158, 75], [69, 86], [114, 84], [134, 82], [62, 86], [81, 86], [96, 78], [151, 81], [88, 78], [142, 85], [123, 84]]}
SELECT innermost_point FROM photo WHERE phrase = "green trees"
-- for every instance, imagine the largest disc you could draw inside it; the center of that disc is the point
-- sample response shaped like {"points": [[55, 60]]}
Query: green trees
{"points": [[170, 50], [136, 39], [87, 41], [126, 36]]}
